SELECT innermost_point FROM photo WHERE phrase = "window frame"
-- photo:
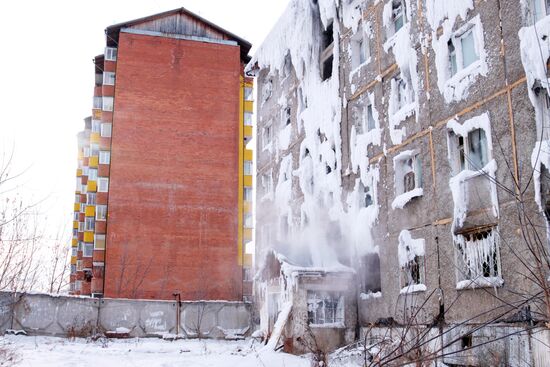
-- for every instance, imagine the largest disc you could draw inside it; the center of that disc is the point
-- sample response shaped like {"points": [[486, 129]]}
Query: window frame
{"points": [[102, 155], [336, 308], [108, 104], [111, 53], [109, 78], [101, 181], [101, 209]]}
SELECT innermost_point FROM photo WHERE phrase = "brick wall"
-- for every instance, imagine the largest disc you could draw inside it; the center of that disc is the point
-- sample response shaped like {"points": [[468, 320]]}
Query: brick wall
{"points": [[172, 221]]}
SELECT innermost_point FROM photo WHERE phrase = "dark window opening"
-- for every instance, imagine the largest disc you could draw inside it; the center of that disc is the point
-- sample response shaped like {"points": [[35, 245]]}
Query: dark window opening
{"points": [[327, 68], [371, 264], [328, 36], [466, 341]]}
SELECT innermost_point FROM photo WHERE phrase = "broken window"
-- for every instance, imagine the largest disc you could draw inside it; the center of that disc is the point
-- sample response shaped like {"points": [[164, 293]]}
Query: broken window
{"points": [[371, 264], [325, 308], [411, 272], [327, 57], [471, 151], [411, 260], [477, 254]]}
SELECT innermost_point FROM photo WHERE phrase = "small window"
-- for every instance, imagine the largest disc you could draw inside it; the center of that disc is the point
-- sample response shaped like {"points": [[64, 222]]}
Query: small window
{"points": [[88, 250], [411, 260], [452, 58], [81, 227], [267, 182], [248, 168], [89, 224], [90, 198], [398, 15], [108, 103], [248, 119], [92, 174], [286, 116], [248, 220], [325, 308], [106, 130], [110, 54], [477, 255], [408, 171], [248, 194], [76, 216], [327, 68], [99, 242], [371, 123], [108, 78], [248, 94], [360, 50], [373, 282], [102, 184], [98, 103], [104, 157], [267, 135], [94, 149], [101, 212], [96, 126]]}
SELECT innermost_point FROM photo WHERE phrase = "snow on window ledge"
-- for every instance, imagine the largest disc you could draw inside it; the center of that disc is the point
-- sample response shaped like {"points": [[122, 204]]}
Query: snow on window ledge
{"points": [[482, 282], [358, 68], [413, 288], [370, 295], [333, 325], [401, 200]]}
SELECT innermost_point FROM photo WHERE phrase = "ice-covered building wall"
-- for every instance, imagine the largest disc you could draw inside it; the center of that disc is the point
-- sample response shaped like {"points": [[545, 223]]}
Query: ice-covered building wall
{"points": [[423, 133]]}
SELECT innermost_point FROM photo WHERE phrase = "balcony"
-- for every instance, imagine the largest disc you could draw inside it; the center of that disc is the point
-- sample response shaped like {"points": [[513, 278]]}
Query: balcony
{"points": [[75, 224], [247, 181], [248, 155], [248, 106], [89, 236], [74, 242], [73, 260], [247, 260], [90, 211], [94, 138], [247, 132], [247, 207], [94, 161], [247, 234], [76, 207], [79, 172], [92, 186]]}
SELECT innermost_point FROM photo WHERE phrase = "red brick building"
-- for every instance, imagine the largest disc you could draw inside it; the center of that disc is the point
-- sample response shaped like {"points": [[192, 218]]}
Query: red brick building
{"points": [[162, 184]]}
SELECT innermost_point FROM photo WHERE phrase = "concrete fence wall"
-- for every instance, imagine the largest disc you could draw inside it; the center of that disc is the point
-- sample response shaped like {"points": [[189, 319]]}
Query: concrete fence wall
{"points": [[40, 314]]}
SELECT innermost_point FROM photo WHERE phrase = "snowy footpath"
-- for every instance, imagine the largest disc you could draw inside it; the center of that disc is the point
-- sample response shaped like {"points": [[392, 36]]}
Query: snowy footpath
{"points": [[59, 352]]}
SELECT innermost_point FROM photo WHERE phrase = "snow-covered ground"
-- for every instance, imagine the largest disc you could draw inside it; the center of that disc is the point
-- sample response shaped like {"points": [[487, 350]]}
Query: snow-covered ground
{"points": [[59, 352]]}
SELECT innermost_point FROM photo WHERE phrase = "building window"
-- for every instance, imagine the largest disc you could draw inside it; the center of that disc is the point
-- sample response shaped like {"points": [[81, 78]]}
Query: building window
{"points": [[104, 157], [248, 221], [96, 126], [99, 242], [327, 56], [404, 93], [73, 271], [88, 250], [539, 9], [267, 136], [478, 258], [248, 194], [102, 184], [470, 151], [411, 261], [325, 308], [408, 173], [248, 168], [110, 54], [371, 123], [108, 78], [78, 283], [248, 94], [76, 215], [101, 212], [373, 282], [106, 130], [542, 111], [81, 227], [86, 152], [248, 119], [90, 199], [462, 49], [89, 224], [92, 174], [108, 103], [74, 251], [94, 150], [398, 15], [286, 116], [267, 182], [98, 103], [360, 49]]}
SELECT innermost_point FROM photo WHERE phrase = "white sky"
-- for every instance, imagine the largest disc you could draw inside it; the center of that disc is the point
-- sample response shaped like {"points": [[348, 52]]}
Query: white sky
{"points": [[47, 78]]}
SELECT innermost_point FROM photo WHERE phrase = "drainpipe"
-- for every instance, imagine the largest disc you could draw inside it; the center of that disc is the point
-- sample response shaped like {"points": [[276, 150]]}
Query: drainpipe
{"points": [[177, 297]]}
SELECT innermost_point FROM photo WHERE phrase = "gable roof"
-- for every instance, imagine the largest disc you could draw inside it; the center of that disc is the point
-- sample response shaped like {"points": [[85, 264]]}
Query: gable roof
{"points": [[113, 31]]}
